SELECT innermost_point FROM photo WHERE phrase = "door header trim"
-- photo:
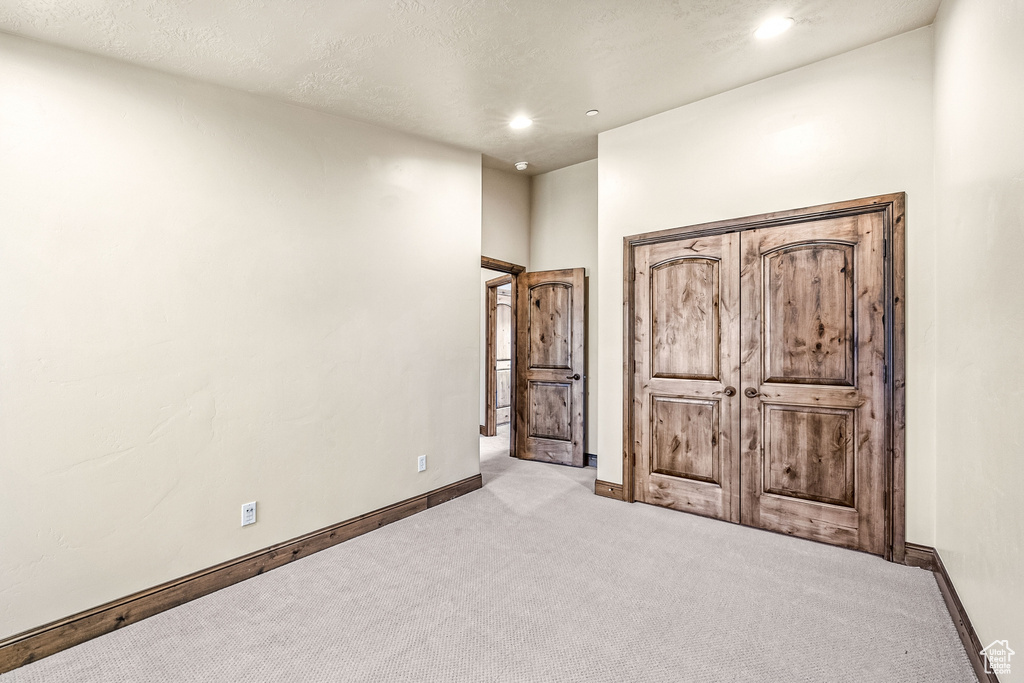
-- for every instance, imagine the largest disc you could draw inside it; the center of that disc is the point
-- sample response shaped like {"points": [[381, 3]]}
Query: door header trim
{"points": [[501, 266], [853, 207]]}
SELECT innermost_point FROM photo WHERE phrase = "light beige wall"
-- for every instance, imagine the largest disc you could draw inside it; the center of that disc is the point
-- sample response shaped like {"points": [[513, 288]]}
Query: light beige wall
{"points": [[505, 219], [979, 163], [505, 235], [563, 234], [208, 298], [852, 126]]}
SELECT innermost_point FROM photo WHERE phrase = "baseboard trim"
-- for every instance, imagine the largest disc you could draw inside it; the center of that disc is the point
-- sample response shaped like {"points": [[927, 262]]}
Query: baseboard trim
{"points": [[37, 643], [928, 558], [921, 556], [608, 489]]}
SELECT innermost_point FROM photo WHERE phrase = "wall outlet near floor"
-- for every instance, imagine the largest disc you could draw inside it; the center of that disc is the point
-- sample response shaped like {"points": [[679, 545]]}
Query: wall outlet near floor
{"points": [[421, 463], [249, 513]]}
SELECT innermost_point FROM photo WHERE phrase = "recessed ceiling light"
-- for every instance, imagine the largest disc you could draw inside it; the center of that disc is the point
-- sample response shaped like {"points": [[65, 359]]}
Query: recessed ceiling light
{"points": [[593, 112], [520, 122], [774, 27]]}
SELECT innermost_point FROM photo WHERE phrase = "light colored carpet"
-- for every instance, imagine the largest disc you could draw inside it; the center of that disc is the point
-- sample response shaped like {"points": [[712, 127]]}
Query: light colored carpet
{"points": [[534, 578]]}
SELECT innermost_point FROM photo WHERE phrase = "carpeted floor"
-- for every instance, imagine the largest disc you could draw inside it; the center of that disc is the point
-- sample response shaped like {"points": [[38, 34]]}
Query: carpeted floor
{"points": [[534, 578]]}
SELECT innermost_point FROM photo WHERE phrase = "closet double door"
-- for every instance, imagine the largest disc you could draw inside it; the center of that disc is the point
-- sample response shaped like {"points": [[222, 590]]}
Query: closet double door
{"points": [[758, 389]]}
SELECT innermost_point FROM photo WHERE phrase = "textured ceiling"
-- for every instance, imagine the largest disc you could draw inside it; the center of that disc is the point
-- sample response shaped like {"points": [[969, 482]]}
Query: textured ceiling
{"points": [[457, 71]]}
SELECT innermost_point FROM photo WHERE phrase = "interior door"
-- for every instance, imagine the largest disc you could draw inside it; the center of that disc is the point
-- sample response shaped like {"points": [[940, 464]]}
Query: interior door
{"points": [[686, 409], [503, 356], [813, 395], [758, 385], [550, 366]]}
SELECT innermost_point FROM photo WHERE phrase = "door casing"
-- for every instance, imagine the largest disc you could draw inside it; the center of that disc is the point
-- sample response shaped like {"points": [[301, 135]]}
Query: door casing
{"points": [[490, 426], [893, 208], [513, 270]]}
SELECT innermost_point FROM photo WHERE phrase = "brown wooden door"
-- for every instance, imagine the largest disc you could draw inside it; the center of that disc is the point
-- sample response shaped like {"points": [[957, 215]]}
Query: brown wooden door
{"points": [[549, 366], [503, 356], [758, 387], [813, 399], [686, 410]]}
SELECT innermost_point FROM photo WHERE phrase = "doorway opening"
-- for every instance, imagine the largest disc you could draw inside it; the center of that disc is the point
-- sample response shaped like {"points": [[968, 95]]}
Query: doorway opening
{"points": [[497, 356], [540, 385]]}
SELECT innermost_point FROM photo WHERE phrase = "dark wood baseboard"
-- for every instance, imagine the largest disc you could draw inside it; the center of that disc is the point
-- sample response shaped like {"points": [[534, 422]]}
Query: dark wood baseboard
{"points": [[608, 489], [928, 558], [483, 430], [37, 643], [921, 556]]}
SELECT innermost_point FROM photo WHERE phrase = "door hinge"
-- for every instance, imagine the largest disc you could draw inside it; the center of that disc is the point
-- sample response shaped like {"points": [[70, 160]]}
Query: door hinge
{"points": [[885, 373], [632, 275], [885, 248]]}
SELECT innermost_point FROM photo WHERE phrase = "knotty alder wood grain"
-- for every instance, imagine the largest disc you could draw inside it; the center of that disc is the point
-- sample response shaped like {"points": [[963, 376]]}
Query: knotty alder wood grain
{"points": [[819, 450], [684, 307], [682, 428], [686, 349], [808, 334], [780, 418], [896, 353], [550, 366], [813, 412], [33, 645]]}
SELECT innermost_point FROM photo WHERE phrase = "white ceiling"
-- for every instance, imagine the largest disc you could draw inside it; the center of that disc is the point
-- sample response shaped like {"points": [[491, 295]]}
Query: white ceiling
{"points": [[458, 71]]}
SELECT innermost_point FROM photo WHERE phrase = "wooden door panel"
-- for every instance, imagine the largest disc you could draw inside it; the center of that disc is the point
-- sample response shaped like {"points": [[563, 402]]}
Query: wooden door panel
{"points": [[550, 415], [503, 400], [813, 408], [809, 453], [684, 314], [809, 334], [549, 307], [504, 392], [550, 366], [685, 438], [503, 316], [686, 344]]}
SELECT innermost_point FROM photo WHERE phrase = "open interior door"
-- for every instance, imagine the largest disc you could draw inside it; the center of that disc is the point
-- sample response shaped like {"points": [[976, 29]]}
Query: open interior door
{"points": [[549, 366], [503, 356]]}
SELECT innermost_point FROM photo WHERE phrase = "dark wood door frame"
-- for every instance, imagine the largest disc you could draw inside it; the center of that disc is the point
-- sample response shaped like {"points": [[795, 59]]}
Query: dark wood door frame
{"points": [[893, 208], [490, 427], [513, 271]]}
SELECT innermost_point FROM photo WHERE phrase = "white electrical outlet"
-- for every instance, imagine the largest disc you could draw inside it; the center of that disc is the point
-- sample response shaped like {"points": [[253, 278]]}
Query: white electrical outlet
{"points": [[421, 463], [249, 513]]}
